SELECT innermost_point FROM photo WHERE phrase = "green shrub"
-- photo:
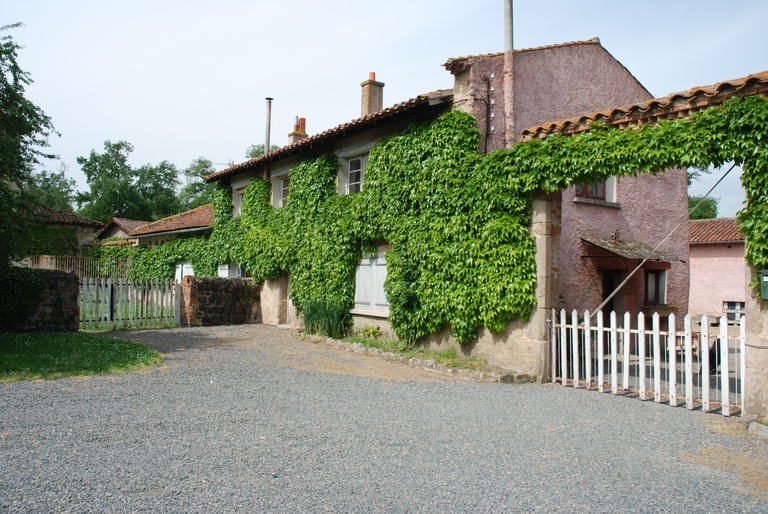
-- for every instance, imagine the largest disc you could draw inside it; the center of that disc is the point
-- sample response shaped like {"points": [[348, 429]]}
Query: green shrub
{"points": [[326, 319]]}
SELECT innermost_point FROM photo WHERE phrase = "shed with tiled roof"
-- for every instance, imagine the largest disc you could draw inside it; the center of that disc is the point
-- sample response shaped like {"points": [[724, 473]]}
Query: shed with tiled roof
{"points": [[194, 221], [715, 230]]}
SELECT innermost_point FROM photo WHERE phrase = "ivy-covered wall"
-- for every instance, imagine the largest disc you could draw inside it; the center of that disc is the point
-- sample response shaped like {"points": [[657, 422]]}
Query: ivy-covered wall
{"points": [[458, 222]]}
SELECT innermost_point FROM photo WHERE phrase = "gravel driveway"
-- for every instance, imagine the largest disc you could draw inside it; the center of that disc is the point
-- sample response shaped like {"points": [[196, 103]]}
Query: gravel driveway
{"points": [[251, 419]]}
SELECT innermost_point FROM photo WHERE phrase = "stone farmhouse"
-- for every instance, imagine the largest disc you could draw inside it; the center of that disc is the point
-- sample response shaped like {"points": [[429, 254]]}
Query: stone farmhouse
{"points": [[588, 238]]}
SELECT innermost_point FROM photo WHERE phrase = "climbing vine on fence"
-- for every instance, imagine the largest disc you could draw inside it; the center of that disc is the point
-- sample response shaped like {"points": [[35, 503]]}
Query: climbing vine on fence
{"points": [[458, 222]]}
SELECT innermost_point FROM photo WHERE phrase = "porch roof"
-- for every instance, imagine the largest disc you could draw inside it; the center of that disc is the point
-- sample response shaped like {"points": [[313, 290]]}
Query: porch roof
{"points": [[631, 249]]}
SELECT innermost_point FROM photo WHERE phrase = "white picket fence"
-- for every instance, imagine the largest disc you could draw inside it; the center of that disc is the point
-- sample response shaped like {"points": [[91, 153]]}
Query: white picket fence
{"points": [[703, 369], [122, 303]]}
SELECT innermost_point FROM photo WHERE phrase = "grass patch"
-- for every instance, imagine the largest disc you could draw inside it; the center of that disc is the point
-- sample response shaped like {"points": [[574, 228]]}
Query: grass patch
{"points": [[449, 357], [36, 355], [762, 420], [326, 319]]}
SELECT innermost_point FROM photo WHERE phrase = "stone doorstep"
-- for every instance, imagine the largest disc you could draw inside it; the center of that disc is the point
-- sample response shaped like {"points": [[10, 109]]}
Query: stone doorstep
{"points": [[432, 366]]}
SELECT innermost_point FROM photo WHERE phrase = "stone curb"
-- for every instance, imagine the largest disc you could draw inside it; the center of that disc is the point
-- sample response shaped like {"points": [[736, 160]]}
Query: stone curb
{"points": [[430, 365], [755, 428]]}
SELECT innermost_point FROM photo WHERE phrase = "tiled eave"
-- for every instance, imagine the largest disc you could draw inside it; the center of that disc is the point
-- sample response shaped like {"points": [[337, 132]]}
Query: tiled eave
{"points": [[670, 107], [342, 131], [715, 230]]}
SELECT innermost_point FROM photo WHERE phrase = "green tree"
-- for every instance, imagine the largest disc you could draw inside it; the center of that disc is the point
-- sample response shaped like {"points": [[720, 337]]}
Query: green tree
{"points": [[195, 191], [24, 132], [157, 189], [116, 189], [707, 209], [256, 150], [52, 189]]}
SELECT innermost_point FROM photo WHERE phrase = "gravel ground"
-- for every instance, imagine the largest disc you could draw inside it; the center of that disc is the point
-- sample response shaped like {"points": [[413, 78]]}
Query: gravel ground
{"points": [[252, 419]]}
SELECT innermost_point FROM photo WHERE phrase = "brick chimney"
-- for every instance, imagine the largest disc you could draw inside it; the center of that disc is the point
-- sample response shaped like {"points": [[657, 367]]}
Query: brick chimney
{"points": [[373, 95], [299, 130]]}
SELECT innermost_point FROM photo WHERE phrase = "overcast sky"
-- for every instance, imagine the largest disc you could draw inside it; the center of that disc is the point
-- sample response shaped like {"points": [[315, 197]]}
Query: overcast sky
{"points": [[180, 80]]}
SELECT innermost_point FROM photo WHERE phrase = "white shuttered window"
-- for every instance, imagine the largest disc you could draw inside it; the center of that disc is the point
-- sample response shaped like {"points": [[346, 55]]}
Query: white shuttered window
{"points": [[369, 286]]}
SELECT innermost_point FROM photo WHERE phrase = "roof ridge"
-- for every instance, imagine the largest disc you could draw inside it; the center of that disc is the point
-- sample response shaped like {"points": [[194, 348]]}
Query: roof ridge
{"points": [[591, 41]]}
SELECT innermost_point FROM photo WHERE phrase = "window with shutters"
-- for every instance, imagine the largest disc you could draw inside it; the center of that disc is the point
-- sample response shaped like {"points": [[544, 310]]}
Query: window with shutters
{"points": [[183, 269], [370, 297], [231, 270]]}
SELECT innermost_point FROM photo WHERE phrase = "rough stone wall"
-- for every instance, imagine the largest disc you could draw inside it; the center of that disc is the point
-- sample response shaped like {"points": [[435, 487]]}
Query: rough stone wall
{"points": [[207, 301], [756, 377], [57, 310]]}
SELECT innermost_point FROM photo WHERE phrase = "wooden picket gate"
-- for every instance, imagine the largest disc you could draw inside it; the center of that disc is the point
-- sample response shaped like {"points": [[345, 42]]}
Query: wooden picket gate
{"points": [[659, 363], [122, 303]]}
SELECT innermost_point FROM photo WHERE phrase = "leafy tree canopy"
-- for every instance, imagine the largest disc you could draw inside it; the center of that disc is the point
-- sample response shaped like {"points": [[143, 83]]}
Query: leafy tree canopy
{"points": [[707, 209], [52, 189], [256, 150], [116, 189], [195, 191], [24, 132]]}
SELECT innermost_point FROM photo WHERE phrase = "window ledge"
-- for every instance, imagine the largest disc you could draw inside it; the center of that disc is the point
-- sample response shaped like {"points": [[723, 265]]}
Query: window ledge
{"points": [[592, 201], [372, 314]]}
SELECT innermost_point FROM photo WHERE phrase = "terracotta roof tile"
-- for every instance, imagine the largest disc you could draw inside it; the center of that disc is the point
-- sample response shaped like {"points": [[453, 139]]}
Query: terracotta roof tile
{"points": [[128, 225], [716, 230], [459, 62], [195, 218], [676, 105], [47, 215], [330, 135]]}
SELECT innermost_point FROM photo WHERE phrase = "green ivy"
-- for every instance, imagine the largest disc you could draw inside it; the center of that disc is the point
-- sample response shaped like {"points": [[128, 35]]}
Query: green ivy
{"points": [[458, 222]]}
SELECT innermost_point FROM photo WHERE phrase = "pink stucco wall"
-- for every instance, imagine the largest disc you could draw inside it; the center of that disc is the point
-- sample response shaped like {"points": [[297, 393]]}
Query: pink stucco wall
{"points": [[651, 206], [569, 80], [545, 84], [718, 274]]}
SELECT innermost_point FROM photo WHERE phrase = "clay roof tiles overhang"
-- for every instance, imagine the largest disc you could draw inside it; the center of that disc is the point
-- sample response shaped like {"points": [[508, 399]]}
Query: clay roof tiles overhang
{"points": [[715, 230], [194, 220], [398, 111], [673, 106], [47, 215]]}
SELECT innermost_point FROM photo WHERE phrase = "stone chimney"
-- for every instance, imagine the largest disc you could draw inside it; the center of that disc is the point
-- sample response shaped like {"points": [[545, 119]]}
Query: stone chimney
{"points": [[299, 130], [373, 95]]}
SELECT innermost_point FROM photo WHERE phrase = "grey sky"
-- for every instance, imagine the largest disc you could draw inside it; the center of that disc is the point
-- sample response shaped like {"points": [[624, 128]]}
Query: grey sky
{"points": [[180, 80]]}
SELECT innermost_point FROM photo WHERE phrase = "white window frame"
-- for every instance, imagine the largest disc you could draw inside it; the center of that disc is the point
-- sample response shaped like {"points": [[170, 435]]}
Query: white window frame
{"points": [[604, 190], [370, 297], [280, 190], [345, 186]]}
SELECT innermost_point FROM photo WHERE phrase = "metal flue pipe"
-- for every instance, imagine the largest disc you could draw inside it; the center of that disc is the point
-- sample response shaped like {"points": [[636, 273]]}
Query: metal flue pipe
{"points": [[508, 27], [269, 125]]}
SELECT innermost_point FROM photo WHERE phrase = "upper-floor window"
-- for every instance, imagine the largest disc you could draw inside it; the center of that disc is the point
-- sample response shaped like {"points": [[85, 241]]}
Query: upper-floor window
{"points": [[604, 190], [351, 175], [280, 190]]}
